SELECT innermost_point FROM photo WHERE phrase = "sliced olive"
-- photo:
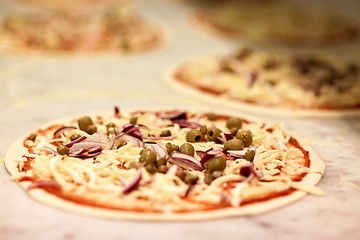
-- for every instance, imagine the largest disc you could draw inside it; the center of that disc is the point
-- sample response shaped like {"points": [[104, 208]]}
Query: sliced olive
{"points": [[170, 148], [215, 164], [234, 122], [249, 155], [91, 129], [194, 135], [74, 137], [133, 120], [32, 137], [187, 148], [213, 134], [161, 162], [203, 130], [162, 169], [62, 149], [165, 133], [212, 116], [190, 179], [234, 131], [150, 167], [84, 122], [133, 165], [234, 144], [148, 156], [245, 136]]}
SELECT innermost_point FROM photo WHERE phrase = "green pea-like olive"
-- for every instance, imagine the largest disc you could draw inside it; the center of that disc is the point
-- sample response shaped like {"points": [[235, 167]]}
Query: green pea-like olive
{"points": [[234, 144], [147, 156], [170, 148], [208, 178], [110, 125], [187, 148], [215, 164], [32, 137], [133, 165], [234, 122], [162, 169], [246, 137], [91, 129], [212, 116], [74, 137], [213, 133], [84, 122], [194, 135], [161, 162], [190, 179], [133, 120], [211, 176], [62, 149], [165, 133], [249, 155], [150, 167]]}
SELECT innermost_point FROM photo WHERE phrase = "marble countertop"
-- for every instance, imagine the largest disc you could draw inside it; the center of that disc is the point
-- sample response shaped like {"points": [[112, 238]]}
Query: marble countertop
{"points": [[35, 90]]}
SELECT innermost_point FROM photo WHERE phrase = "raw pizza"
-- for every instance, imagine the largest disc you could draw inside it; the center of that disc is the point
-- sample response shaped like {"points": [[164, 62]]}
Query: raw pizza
{"points": [[276, 83], [113, 30], [164, 165], [278, 21]]}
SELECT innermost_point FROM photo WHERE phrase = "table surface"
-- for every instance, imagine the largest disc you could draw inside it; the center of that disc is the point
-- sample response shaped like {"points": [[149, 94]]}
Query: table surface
{"points": [[35, 90]]}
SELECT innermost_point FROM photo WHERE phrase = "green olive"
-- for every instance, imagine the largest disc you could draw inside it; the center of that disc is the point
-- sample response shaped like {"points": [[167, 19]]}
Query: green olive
{"points": [[110, 125], [187, 148], [32, 137], [161, 162], [203, 130], [120, 144], [74, 137], [84, 122], [133, 165], [62, 149], [133, 120], [150, 167], [234, 144], [194, 135], [246, 137], [162, 169], [211, 176], [249, 155], [91, 129], [213, 134], [212, 116], [165, 133], [215, 164], [190, 179], [148, 156], [234, 122], [170, 148]]}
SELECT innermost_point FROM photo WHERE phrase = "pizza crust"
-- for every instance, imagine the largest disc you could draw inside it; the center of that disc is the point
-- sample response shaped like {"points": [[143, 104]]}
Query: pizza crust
{"points": [[16, 150]]}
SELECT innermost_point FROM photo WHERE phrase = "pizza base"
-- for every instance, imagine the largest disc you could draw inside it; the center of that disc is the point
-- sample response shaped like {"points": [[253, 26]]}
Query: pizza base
{"points": [[222, 101], [16, 150]]}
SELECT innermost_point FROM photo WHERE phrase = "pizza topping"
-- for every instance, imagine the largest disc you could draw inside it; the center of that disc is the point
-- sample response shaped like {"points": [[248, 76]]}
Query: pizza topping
{"points": [[234, 122], [212, 116], [175, 173], [43, 183], [213, 133], [32, 137], [62, 149], [62, 131], [194, 135]]}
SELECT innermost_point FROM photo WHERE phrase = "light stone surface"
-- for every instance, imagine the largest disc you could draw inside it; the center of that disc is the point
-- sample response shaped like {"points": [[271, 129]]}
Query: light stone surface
{"points": [[35, 90]]}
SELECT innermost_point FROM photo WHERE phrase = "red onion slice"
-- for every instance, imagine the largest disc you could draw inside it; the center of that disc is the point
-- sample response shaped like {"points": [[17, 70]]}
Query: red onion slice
{"points": [[236, 153], [185, 161], [173, 116], [63, 130], [44, 183], [111, 144], [80, 139], [128, 138], [134, 182], [49, 151], [83, 145], [249, 172], [95, 149], [172, 170], [189, 190], [78, 152], [159, 150], [225, 136], [161, 138], [117, 112], [186, 124], [98, 137], [281, 144]]}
